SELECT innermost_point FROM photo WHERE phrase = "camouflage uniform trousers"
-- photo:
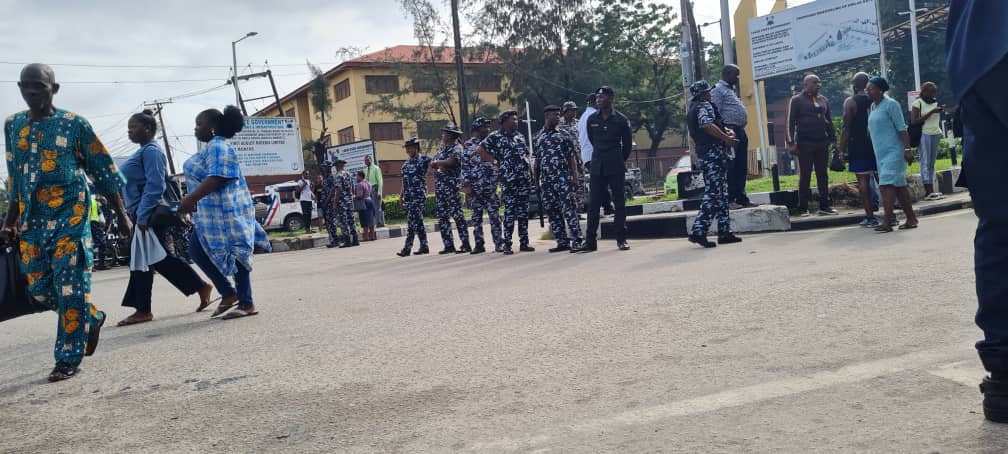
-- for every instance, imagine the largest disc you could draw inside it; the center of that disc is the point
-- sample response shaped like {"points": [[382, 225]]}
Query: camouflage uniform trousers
{"points": [[344, 215], [486, 199], [449, 207], [414, 223], [516, 202], [715, 200], [329, 214], [559, 203]]}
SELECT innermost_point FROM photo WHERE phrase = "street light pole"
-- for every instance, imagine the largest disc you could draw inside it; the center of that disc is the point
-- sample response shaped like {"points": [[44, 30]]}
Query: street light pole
{"points": [[913, 41], [234, 69], [463, 118], [726, 44]]}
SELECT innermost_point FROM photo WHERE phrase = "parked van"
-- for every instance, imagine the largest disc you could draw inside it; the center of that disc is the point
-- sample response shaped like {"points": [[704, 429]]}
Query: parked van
{"points": [[280, 209]]}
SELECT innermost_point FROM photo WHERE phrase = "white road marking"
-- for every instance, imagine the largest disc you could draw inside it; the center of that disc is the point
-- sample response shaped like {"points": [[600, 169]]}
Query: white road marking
{"points": [[966, 373], [742, 396]]}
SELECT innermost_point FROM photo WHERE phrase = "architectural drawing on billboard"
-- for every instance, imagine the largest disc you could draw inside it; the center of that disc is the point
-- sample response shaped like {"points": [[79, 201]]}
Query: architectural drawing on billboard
{"points": [[813, 34]]}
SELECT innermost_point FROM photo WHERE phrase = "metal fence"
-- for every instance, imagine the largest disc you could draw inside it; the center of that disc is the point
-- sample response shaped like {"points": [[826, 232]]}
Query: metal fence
{"points": [[652, 172]]}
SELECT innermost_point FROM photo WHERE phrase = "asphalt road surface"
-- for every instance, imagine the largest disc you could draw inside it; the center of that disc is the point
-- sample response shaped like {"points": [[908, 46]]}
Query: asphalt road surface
{"points": [[827, 341]]}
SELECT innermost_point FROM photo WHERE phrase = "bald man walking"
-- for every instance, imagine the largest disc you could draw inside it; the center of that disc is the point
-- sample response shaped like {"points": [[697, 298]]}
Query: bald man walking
{"points": [[49, 152]]}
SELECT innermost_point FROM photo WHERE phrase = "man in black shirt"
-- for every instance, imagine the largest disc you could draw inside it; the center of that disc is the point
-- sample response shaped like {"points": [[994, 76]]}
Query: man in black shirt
{"points": [[611, 139]]}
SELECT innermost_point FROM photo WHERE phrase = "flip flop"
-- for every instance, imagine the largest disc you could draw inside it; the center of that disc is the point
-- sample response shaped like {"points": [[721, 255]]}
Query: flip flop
{"points": [[204, 303], [223, 307], [908, 226], [132, 321], [884, 229], [238, 313], [94, 334]]}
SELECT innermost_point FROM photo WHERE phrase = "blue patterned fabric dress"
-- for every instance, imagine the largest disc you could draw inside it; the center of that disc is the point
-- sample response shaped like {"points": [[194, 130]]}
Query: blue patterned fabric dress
{"points": [[47, 162], [224, 219]]}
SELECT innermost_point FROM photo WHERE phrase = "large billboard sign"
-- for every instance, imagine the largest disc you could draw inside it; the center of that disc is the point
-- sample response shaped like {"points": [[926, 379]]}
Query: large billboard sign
{"points": [[813, 34], [353, 154], [269, 146]]}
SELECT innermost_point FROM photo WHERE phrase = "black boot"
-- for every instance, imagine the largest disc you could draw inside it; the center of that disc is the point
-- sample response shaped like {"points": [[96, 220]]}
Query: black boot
{"points": [[479, 249], [526, 248], [559, 248], [701, 240], [355, 241], [448, 249], [405, 252], [728, 239], [465, 247], [995, 399], [423, 250]]}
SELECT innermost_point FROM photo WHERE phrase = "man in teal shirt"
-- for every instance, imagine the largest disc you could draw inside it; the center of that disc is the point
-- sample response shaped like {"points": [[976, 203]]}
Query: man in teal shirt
{"points": [[373, 174]]}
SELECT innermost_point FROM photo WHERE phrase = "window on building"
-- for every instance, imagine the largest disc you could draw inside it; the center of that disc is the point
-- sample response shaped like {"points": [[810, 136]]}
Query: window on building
{"points": [[386, 131], [483, 82], [289, 112], [345, 135], [429, 130], [342, 90], [377, 85]]}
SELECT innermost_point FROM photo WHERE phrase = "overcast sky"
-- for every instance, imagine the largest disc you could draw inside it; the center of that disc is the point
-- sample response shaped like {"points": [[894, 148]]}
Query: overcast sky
{"points": [[147, 38]]}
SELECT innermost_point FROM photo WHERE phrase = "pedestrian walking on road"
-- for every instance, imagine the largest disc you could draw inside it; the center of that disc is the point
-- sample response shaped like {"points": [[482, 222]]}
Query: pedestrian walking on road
{"points": [[735, 118], [343, 197], [373, 174], [977, 61], [145, 186], [809, 136], [413, 196], [713, 141], [365, 207], [611, 138], [555, 173], [926, 113], [479, 183], [892, 152], [447, 167], [856, 147], [327, 203], [508, 149], [306, 196], [49, 150], [226, 232]]}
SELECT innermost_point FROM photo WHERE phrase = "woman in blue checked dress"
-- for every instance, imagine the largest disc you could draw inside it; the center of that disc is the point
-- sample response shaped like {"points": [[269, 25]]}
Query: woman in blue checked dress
{"points": [[226, 231]]}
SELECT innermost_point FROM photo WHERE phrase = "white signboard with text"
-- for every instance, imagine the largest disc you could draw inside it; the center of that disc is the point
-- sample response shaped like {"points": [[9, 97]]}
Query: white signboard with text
{"points": [[353, 154], [269, 146], [813, 34]]}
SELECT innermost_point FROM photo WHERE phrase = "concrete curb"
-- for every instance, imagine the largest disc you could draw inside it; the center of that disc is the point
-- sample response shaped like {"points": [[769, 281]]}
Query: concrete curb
{"points": [[318, 240], [825, 222]]}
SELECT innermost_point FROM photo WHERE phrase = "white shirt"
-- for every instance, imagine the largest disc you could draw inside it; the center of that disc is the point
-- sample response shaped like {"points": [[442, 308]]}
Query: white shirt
{"points": [[306, 194], [586, 146]]}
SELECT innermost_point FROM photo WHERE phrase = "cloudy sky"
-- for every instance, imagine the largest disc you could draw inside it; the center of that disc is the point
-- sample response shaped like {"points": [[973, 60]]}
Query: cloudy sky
{"points": [[111, 56]]}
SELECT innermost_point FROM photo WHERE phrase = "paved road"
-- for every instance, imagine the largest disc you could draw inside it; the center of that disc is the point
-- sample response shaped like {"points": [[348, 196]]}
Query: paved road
{"points": [[829, 341]]}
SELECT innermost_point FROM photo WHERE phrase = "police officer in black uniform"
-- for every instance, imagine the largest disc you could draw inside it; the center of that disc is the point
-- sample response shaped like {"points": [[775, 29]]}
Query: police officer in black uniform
{"points": [[611, 139]]}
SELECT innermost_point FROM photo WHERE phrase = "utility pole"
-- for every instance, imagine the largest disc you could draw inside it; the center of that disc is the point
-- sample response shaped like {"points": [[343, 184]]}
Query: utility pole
{"points": [[913, 42], [234, 69], [726, 43], [463, 98], [164, 132]]}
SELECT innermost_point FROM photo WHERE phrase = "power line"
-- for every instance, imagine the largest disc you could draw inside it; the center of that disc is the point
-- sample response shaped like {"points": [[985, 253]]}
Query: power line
{"points": [[122, 82], [89, 65]]}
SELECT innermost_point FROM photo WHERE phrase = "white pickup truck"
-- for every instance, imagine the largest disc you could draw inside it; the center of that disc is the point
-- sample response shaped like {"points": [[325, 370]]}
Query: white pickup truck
{"points": [[279, 208]]}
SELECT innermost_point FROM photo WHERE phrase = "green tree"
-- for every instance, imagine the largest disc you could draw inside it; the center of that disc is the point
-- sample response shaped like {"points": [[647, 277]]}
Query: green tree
{"points": [[638, 42], [320, 98]]}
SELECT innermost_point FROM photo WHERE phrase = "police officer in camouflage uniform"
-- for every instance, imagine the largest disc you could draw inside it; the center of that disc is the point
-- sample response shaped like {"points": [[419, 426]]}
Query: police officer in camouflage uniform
{"points": [[507, 148], [569, 124], [555, 171], [343, 198], [711, 139], [326, 202], [447, 165], [413, 195], [479, 182]]}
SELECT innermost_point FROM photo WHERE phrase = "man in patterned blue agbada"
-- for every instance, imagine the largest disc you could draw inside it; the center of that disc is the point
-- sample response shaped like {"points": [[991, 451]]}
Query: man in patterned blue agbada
{"points": [[51, 154]]}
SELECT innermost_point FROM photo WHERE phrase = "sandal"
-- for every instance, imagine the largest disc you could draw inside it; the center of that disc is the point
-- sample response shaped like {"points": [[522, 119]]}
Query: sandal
{"points": [[135, 320], [205, 300], [93, 334], [225, 305], [239, 313], [62, 371], [908, 226], [884, 228]]}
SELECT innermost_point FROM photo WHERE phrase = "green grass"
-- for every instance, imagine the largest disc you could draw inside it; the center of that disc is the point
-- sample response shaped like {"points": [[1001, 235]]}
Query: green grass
{"points": [[787, 183]]}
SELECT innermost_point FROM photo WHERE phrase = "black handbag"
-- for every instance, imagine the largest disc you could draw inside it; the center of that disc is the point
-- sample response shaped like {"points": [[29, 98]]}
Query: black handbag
{"points": [[166, 213], [836, 164], [15, 300], [359, 205]]}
